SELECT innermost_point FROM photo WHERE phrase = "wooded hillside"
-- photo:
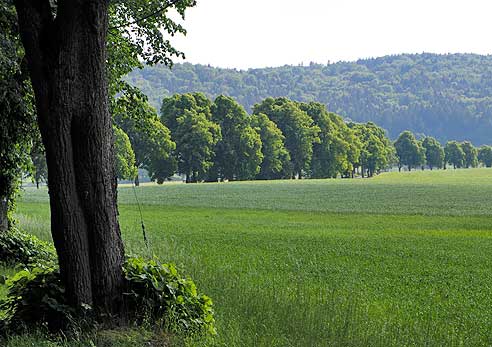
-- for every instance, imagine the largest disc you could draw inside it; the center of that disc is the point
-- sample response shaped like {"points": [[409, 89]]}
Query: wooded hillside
{"points": [[445, 96]]}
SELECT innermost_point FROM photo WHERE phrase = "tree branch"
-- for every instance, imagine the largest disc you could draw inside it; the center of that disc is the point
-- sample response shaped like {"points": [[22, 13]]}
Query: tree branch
{"points": [[155, 13]]}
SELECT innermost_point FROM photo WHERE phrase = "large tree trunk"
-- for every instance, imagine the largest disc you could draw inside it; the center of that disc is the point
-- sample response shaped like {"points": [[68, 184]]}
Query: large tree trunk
{"points": [[66, 59]]}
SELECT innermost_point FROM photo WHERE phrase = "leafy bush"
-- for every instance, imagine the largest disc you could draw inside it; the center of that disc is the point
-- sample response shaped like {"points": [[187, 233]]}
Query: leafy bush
{"points": [[159, 291], [18, 247], [35, 296]]}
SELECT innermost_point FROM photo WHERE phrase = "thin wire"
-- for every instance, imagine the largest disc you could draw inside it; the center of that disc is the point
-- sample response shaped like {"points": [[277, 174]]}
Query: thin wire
{"points": [[144, 233], [171, 3]]}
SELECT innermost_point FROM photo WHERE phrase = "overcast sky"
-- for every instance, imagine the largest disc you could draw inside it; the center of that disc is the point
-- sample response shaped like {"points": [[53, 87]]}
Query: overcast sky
{"points": [[259, 33]]}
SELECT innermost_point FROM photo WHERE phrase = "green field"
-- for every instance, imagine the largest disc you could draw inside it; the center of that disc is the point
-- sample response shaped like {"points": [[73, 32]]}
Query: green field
{"points": [[403, 259]]}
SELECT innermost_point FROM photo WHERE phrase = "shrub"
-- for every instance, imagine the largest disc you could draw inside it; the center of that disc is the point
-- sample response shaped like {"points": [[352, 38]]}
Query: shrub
{"points": [[36, 297], [159, 291], [18, 247]]}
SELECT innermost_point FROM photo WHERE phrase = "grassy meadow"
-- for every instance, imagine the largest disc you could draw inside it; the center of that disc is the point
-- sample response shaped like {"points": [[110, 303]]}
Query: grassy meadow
{"points": [[402, 259]]}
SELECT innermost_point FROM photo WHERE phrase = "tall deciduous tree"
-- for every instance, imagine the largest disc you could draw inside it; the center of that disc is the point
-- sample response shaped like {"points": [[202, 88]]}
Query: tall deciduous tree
{"points": [[66, 56], [173, 107], [376, 148], [150, 139], [65, 44], [434, 153], [196, 137], [471, 154], [338, 147], [276, 158], [454, 154], [298, 128], [355, 147], [189, 118], [238, 154], [485, 155], [409, 151]]}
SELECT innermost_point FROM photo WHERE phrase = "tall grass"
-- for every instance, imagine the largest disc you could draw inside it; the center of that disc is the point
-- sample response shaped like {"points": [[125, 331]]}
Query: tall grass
{"points": [[401, 260]]}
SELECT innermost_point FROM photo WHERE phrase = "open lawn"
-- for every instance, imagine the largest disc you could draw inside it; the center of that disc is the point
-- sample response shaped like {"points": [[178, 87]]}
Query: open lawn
{"points": [[403, 259]]}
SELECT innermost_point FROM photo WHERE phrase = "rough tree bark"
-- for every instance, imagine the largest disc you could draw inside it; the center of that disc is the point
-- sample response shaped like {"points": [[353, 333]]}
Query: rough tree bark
{"points": [[66, 57]]}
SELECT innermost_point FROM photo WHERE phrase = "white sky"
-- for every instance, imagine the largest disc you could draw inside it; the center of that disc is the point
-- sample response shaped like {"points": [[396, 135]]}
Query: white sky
{"points": [[259, 33]]}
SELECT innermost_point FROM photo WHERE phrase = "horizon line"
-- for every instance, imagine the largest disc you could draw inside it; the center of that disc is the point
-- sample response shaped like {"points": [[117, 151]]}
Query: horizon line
{"points": [[327, 63]]}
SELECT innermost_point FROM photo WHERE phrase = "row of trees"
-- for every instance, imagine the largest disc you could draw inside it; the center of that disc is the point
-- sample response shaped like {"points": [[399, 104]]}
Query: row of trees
{"points": [[219, 140], [413, 153]]}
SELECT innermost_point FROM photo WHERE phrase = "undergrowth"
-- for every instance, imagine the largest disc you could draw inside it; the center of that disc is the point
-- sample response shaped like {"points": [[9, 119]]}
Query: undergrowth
{"points": [[153, 292], [20, 248]]}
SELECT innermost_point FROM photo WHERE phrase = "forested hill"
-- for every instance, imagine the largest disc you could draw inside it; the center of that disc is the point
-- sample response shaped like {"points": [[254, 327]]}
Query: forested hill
{"points": [[446, 96]]}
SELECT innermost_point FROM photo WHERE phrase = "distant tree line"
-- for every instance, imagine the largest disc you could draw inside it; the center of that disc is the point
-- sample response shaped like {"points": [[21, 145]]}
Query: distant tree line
{"points": [[446, 96], [414, 153], [282, 138], [218, 140], [207, 140]]}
